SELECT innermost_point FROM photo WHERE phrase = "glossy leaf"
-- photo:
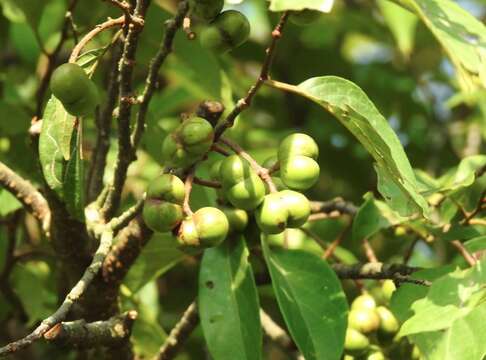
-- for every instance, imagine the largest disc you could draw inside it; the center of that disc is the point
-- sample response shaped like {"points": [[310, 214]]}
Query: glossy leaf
{"points": [[311, 300], [73, 179], [228, 302], [463, 175], [346, 101]]}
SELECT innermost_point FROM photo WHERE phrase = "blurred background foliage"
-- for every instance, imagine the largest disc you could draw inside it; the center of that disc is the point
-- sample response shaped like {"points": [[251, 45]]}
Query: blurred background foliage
{"points": [[382, 48]]}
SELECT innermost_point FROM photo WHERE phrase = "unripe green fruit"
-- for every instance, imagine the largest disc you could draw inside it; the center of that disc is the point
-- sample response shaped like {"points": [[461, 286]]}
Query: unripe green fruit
{"points": [[214, 170], [272, 214], [278, 184], [298, 208], [355, 343], [415, 353], [234, 169], [174, 154], [196, 135], [364, 302], [237, 218], [298, 144], [388, 288], [299, 172], [161, 216], [363, 320], [377, 355], [206, 228], [206, 10], [304, 17], [388, 322], [167, 187], [229, 30], [246, 194], [76, 91]]}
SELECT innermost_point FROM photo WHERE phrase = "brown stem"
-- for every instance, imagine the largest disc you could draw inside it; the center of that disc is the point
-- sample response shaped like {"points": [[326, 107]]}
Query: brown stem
{"points": [[186, 207], [471, 260], [369, 252], [330, 250], [208, 183], [276, 333], [245, 102], [338, 204]]}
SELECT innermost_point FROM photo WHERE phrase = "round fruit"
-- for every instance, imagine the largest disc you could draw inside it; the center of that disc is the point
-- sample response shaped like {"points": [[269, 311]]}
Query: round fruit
{"points": [[299, 172], [298, 208], [206, 10], [206, 228], [196, 135], [229, 30], [174, 155], [237, 218], [234, 169], [304, 17], [246, 194], [167, 187], [355, 342], [388, 288], [363, 320], [272, 214], [364, 302], [71, 85], [214, 170], [377, 355], [161, 216], [388, 322], [298, 144]]}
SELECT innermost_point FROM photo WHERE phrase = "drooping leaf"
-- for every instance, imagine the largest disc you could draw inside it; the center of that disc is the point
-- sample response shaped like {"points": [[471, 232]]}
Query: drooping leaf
{"points": [[228, 302], [73, 179], [462, 36], [346, 101], [311, 300], [284, 5], [158, 256]]}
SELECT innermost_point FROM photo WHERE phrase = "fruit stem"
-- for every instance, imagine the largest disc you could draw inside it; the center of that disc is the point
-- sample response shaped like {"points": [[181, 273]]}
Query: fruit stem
{"points": [[186, 207], [208, 183], [262, 172]]}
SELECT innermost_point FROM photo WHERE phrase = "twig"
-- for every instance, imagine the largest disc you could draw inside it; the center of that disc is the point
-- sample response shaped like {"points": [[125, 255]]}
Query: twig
{"points": [[27, 194], [408, 254], [369, 252], [220, 150], [112, 332], [165, 49], [315, 237], [471, 260], [179, 333], [118, 223], [275, 332], [124, 6], [245, 102], [338, 204], [260, 170], [208, 183], [330, 250], [186, 207], [479, 207]]}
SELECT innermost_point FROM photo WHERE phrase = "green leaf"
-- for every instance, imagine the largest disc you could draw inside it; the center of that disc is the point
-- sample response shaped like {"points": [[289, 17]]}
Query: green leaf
{"points": [[89, 59], [157, 257], [346, 101], [228, 302], [311, 300], [73, 179], [451, 297], [9, 203], [463, 175], [476, 244], [462, 36], [402, 24], [284, 5], [24, 10]]}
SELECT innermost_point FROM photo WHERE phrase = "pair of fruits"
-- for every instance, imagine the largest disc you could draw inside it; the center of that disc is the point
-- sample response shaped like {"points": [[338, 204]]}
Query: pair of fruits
{"points": [[188, 143], [163, 212], [366, 318], [76, 91], [225, 30]]}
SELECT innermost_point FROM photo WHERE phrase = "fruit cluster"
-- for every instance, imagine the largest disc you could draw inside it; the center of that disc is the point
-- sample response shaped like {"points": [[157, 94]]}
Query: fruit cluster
{"points": [[223, 31], [243, 186], [371, 325], [76, 91]]}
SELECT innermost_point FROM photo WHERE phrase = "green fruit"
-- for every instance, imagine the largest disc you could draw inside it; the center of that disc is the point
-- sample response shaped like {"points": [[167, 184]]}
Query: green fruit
{"points": [[377, 355], [246, 194], [196, 135], [237, 218], [161, 216], [206, 228], [363, 320], [229, 30], [299, 172], [355, 343], [214, 170], [388, 288], [388, 322], [297, 144], [270, 162], [76, 91], [206, 10], [298, 208], [416, 353], [364, 302], [272, 214], [167, 187], [278, 184], [234, 169], [304, 17], [174, 155]]}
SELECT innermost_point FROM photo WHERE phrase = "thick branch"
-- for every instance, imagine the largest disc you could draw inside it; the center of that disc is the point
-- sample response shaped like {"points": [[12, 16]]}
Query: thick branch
{"points": [[338, 205], [112, 332], [27, 194], [179, 333]]}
